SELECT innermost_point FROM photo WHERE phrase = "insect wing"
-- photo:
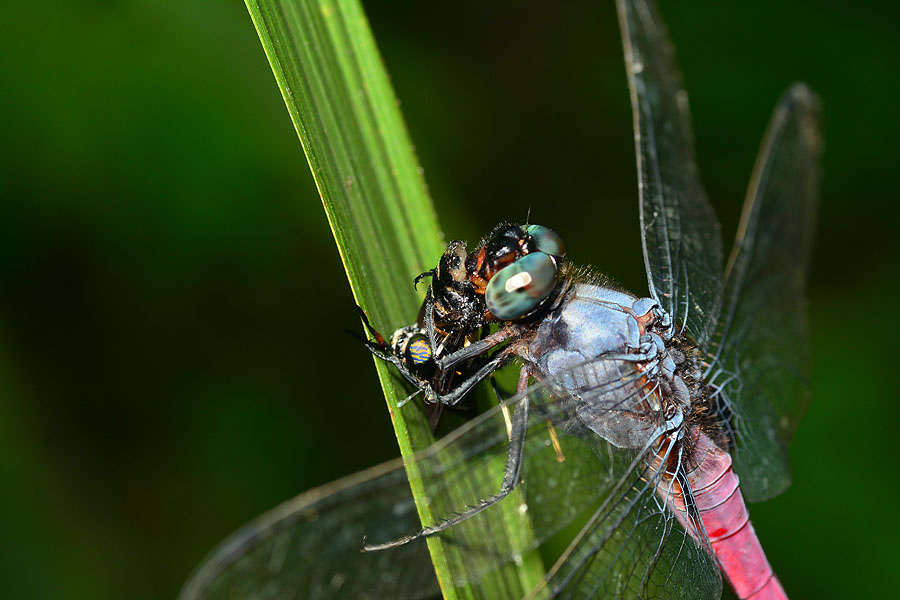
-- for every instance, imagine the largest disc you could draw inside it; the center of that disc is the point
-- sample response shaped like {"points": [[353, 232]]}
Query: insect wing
{"points": [[311, 547], [762, 351], [634, 547], [680, 234]]}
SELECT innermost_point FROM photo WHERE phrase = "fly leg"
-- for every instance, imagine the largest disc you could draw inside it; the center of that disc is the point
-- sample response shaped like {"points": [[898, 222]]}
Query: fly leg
{"points": [[510, 477], [434, 415], [382, 350]]}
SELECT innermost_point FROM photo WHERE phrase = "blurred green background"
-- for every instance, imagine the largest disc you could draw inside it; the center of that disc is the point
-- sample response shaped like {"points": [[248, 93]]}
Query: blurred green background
{"points": [[172, 307]]}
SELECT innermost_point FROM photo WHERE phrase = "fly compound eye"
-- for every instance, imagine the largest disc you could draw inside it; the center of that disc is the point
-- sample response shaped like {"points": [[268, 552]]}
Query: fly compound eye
{"points": [[519, 288], [418, 351], [547, 240], [418, 355]]}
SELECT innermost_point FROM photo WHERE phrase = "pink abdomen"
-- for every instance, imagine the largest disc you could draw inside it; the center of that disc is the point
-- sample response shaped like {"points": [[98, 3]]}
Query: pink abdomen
{"points": [[717, 493]]}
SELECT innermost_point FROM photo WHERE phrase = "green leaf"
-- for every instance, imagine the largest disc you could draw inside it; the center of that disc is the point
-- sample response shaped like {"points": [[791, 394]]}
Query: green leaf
{"points": [[340, 100]]}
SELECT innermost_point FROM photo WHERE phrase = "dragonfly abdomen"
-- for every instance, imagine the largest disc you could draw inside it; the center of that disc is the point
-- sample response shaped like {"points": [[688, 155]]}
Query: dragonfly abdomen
{"points": [[716, 492]]}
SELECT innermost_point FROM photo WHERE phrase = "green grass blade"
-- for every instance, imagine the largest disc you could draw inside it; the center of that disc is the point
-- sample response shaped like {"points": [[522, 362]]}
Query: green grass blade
{"points": [[340, 100]]}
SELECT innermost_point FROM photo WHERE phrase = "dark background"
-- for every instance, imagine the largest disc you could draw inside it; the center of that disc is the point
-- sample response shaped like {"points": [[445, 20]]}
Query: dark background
{"points": [[172, 307]]}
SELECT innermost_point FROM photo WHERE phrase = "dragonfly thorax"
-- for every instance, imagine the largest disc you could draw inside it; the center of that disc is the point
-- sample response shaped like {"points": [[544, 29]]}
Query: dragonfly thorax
{"points": [[602, 346]]}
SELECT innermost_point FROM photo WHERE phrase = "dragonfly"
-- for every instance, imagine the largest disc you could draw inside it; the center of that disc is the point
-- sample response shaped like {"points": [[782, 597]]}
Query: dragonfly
{"points": [[670, 409]]}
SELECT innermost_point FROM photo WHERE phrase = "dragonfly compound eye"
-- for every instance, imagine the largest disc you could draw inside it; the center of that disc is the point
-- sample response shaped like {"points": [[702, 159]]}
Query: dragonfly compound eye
{"points": [[547, 240], [503, 242], [518, 289]]}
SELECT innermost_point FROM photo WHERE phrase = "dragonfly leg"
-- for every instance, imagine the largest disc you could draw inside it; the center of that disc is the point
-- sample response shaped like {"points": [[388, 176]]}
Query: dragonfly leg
{"points": [[475, 348], [554, 438], [503, 408], [453, 397], [510, 477]]}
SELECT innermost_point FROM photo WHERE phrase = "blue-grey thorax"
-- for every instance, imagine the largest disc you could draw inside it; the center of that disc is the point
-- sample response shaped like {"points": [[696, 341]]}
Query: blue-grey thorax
{"points": [[592, 344]]}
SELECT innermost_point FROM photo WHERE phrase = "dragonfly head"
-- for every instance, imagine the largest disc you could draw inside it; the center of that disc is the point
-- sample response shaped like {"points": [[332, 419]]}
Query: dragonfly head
{"points": [[523, 266]]}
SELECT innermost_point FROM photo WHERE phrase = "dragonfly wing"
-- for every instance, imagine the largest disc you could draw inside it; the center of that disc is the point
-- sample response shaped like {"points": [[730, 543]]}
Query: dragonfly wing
{"points": [[634, 547], [566, 468], [310, 547], [569, 470], [762, 351], [680, 234]]}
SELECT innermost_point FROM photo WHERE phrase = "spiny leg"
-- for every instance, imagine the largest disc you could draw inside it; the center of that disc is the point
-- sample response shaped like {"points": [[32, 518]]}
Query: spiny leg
{"points": [[453, 397], [476, 348], [510, 477]]}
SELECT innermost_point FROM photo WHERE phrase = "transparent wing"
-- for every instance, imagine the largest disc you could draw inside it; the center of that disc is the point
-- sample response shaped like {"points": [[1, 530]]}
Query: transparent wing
{"points": [[310, 547], [761, 359], [634, 547], [680, 234]]}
